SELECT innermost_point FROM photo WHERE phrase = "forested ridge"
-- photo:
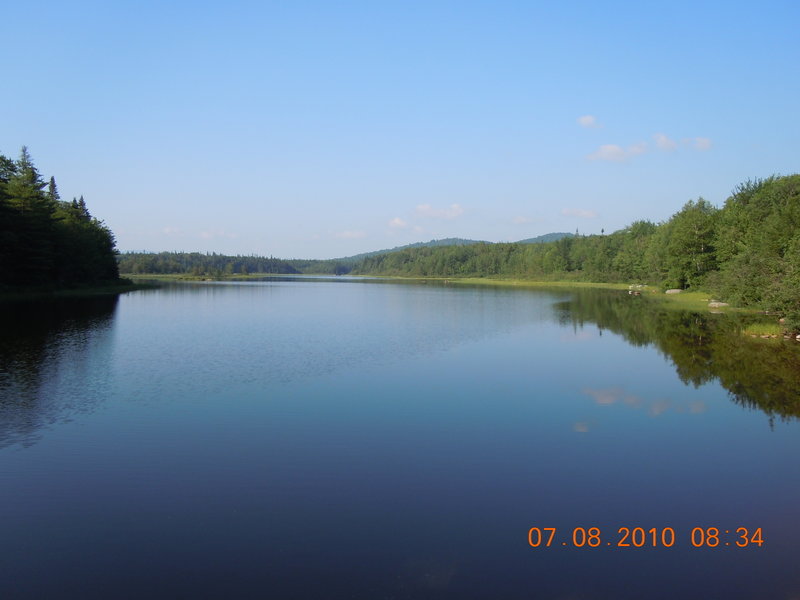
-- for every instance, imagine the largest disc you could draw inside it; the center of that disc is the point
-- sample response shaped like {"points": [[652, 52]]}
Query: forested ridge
{"points": [[46, 242]]}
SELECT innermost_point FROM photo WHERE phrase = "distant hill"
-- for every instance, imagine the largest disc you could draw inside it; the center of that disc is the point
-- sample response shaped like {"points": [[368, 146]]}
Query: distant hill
{"points": [[345, 264], [542, 239], [442, 242], [547, 237], [349, 263]]}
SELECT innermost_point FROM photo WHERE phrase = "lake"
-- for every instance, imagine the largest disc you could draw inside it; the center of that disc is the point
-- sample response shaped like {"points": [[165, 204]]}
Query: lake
{"points": [[344, 438]]}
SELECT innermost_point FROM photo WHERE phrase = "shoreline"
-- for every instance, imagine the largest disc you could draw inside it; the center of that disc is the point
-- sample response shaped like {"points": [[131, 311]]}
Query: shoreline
{"points": [[689, 300], [107, 289]]}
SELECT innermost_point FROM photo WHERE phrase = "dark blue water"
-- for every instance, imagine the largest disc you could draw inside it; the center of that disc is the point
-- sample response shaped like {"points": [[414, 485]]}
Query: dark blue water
{"points": [[339, 439]]}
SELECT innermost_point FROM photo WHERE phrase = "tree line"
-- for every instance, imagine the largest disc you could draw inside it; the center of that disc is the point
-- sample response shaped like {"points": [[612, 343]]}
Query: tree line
{"points": [[46, 242], [747, 252], [199, 264], [221, 265]]}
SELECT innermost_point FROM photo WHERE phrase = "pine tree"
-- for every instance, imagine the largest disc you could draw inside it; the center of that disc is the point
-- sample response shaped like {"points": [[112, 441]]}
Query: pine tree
{"points": [[25, 186], [33, 229], [52, 191]]}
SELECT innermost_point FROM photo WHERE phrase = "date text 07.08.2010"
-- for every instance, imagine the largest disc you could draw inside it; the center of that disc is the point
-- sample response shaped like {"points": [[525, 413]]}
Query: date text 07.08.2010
{"points": [[639, 537]]}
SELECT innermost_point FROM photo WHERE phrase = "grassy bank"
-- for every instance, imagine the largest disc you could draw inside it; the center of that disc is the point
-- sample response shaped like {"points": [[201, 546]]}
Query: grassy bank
{"points": [[694, 300], [687, 300]]}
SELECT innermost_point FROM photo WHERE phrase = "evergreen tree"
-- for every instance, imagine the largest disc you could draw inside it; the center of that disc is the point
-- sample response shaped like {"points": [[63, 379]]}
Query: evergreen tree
{"points": [[8, 221], [32, 257], [52, 191], [46, 242]]}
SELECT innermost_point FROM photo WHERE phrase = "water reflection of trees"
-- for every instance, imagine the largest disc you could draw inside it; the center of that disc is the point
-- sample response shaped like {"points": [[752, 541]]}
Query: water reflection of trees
{"points": [[757, 373], [53, 361]]}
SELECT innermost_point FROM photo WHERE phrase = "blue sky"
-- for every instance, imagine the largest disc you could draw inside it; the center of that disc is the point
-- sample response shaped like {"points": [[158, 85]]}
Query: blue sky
{"points": [[324, 129]]}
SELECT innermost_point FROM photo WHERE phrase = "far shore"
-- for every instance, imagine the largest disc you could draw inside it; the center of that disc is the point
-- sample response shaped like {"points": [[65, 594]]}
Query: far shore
{"points": [[688, 299]]}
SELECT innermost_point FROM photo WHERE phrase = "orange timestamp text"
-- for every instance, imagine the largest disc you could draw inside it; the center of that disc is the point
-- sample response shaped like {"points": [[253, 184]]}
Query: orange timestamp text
{"points": [[641, 537]]}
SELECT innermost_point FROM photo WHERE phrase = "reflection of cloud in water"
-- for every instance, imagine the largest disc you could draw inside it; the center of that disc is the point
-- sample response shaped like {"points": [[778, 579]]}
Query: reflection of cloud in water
{"points": [[632, 401], [609, 396], [696, 407], [655, 408], [659, 407], [581, 427], [612, 396]]}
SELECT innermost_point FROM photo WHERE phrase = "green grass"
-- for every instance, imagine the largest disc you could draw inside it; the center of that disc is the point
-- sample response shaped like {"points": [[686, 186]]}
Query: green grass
{"points": [[535, 284], [695, 300], [763, 329], [687, 300]]}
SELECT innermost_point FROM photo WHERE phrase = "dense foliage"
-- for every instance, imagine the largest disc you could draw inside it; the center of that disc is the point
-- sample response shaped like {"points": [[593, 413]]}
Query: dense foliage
{"points": [[198, 264], [758, 246], [747, 252], [47, 242]]}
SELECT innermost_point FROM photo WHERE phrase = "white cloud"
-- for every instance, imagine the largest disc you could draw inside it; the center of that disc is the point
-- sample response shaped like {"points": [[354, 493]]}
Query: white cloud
{"points": [[398, 223], [171, 231], [451, 212], [578, 212], [616, 153], [520, 220], [637, 149], [588, 121], [610, 152], [702, 143], [351, 235], [665, 143]]}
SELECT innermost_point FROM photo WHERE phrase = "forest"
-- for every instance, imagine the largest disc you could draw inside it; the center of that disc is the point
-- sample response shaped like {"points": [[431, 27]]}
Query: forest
{"points": [[221, 265], [200, 264], [746, 253], [46, 242]]}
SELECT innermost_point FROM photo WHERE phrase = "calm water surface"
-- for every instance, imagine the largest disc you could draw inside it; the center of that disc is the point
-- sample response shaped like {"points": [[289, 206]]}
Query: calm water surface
{"points": [[341, 439]]}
